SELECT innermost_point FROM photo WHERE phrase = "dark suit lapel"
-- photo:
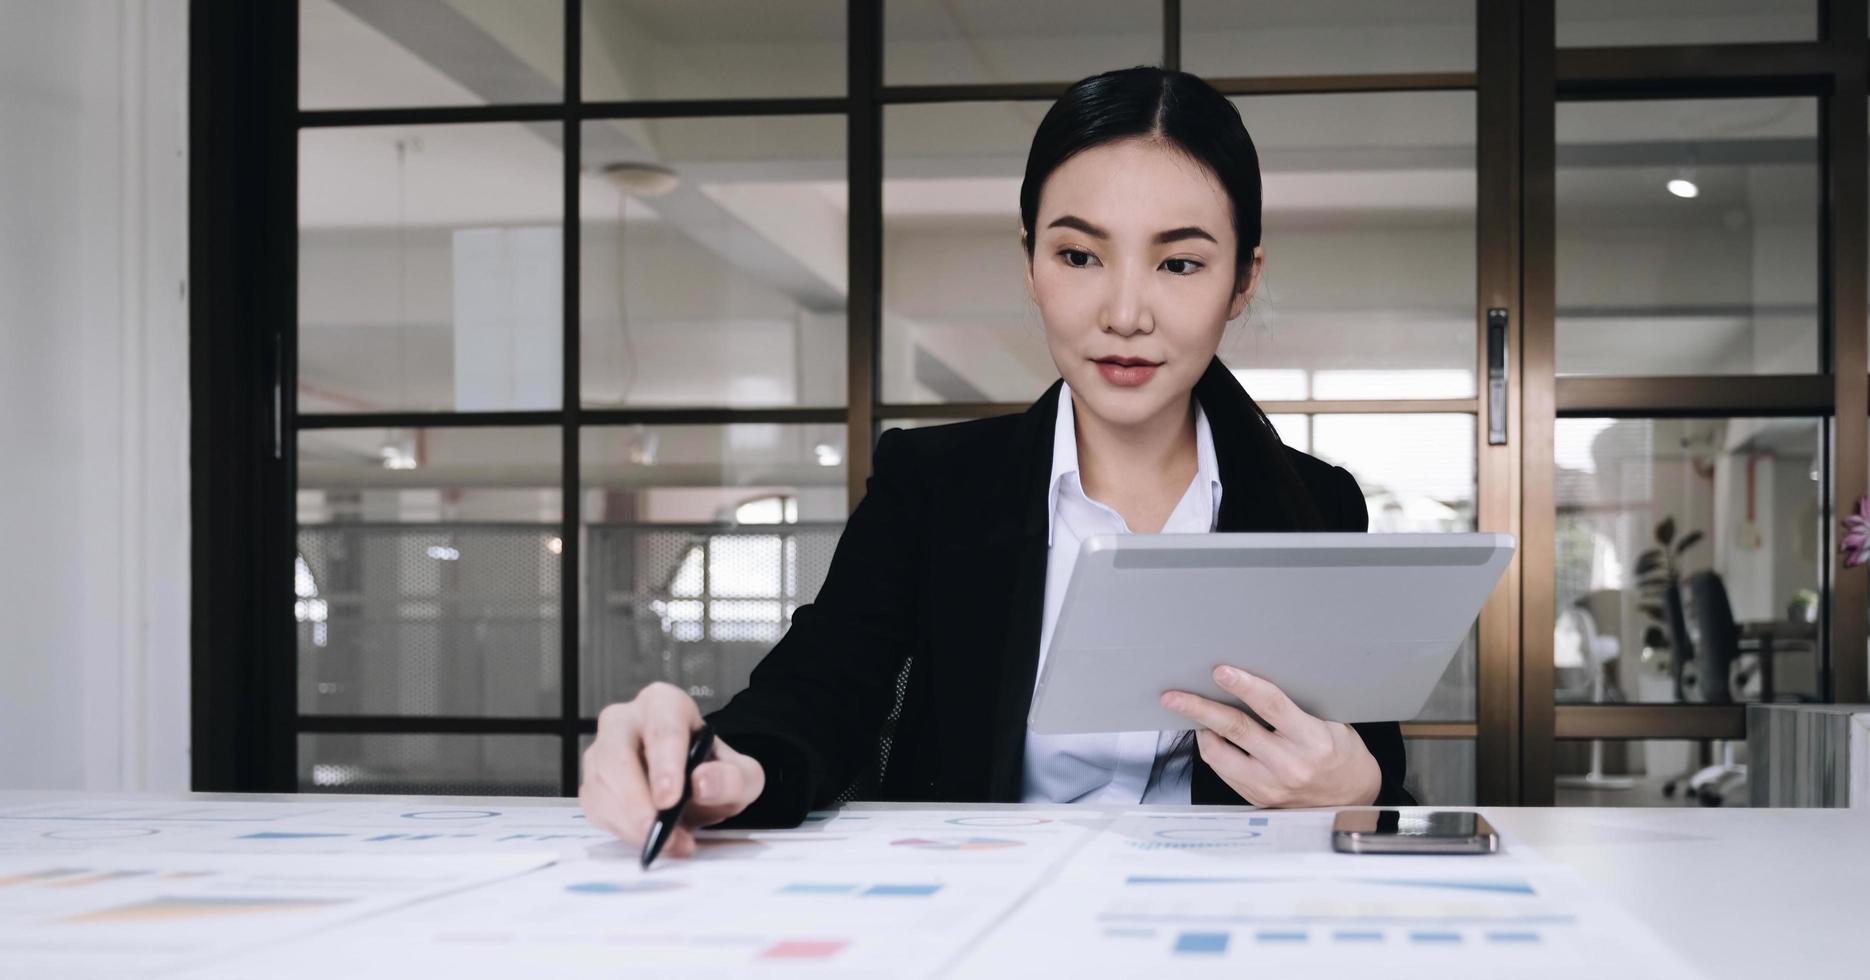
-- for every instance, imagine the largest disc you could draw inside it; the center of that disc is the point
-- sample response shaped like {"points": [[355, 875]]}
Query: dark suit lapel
{"points": [[1248, 503], [1024, 508]]}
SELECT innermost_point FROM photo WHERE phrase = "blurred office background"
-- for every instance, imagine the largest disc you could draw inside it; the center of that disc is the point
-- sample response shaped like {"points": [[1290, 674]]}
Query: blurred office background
{"points": [[585, 315]]}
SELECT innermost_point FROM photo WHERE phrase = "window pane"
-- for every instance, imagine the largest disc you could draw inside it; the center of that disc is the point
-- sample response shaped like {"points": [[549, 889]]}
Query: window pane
{"points": [[1230, 38], [1592, 23], [427, 579], [355, 55], [1441, 771], [957, 323], [713, 49], [714, 262], [453, 765], [1688, 237], [1383, 184], [1739, 498], [429, 268], [1416, 471], [939, 42], [1650, 772], [699, 542]]}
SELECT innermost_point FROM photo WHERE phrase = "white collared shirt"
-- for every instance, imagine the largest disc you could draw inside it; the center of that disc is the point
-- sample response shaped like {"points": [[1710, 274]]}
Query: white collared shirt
{"points": [[1105, 768]]}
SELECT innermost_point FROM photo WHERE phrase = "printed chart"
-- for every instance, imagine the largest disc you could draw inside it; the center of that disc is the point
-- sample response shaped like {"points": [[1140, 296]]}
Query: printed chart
{"points": [[375, 887], [1291, 912], [110, 914]]}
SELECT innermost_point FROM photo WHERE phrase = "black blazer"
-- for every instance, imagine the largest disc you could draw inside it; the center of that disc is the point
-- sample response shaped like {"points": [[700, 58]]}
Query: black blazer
{"points": [[934, 601]]}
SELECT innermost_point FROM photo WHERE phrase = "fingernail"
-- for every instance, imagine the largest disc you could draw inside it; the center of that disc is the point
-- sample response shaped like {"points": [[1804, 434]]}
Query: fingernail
{"points": [[1225, 674], [1170, 699], [704, 787]]}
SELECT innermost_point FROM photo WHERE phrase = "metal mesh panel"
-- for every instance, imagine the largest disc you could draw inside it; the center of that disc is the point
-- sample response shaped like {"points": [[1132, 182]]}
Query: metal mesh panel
{"points": [[471, 765], [866, 783], [697, 606], [428, 619]]}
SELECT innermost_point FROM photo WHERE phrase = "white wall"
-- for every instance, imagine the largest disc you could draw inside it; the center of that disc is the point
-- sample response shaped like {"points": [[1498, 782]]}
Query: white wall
{"points": [[94, 546]]}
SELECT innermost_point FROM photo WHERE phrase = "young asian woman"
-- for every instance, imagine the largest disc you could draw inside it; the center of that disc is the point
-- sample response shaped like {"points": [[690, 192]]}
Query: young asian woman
{"points": [[1140, 225]]}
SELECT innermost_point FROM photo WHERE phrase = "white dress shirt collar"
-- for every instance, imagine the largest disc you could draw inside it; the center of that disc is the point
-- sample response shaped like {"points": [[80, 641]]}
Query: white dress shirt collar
{"points": [[1065, 460]]}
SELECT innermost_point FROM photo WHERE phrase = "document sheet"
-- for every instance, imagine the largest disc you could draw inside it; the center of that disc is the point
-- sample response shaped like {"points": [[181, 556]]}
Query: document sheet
{"points": [[233, 889]]}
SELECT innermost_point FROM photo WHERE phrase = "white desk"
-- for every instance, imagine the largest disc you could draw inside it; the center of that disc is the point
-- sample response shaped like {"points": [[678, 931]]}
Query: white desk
{"points": [[1735, 892]]}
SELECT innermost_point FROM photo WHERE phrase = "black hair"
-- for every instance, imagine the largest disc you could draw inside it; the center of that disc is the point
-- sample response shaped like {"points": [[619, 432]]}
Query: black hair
{"points": [[1148, 103], [1184, 112]]}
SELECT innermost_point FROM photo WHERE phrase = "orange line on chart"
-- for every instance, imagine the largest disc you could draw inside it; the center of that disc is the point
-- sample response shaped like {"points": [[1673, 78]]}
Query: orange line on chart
{"points": [[21, 879], [178, 907]]}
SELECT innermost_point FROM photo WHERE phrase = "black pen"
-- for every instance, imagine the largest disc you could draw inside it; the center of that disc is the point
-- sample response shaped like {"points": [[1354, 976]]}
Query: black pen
{"points": [[699, 744]]}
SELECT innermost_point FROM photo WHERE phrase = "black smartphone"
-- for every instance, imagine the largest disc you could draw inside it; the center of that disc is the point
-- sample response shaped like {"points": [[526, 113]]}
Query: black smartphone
{"points": [[1413, 832]]}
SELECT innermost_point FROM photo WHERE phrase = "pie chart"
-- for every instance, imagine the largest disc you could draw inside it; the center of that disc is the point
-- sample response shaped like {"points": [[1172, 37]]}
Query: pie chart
{"points": [[957, 843]]}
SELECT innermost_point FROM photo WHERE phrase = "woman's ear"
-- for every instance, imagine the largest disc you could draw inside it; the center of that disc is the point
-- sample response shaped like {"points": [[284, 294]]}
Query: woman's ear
{"points": [[1027, 252], [1248, 283]]}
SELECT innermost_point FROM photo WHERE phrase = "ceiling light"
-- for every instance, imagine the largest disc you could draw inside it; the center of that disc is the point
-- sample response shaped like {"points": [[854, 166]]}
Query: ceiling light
{"points": [[1683, 184], [396, 457], [640, 179], [827, 454]]}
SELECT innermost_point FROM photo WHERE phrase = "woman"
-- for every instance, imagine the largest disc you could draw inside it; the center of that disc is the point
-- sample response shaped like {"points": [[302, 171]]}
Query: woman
{"points": [[1140, 218]]}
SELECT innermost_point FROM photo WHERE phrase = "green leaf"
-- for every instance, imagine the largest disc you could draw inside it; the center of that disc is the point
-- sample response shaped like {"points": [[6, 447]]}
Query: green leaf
{"points": [[1653, 611], [1654, 582], [1648, 561], [1688, 540], [1655, 638], [1665, 531]]}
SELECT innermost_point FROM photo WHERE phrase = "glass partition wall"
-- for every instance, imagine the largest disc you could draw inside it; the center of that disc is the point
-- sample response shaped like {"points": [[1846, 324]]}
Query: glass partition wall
{"points": [[1694, 287], [599, 306]]}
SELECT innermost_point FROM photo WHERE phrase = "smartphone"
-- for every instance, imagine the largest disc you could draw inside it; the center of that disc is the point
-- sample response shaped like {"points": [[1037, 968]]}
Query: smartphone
{"points": [[1414, 832]]}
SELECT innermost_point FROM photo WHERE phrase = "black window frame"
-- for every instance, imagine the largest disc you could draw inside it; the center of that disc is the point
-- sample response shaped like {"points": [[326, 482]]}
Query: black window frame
{"points": [[244, 126]]}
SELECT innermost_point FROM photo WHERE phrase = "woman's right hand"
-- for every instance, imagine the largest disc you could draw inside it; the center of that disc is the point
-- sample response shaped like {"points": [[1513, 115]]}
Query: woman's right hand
{"points": [[634, 768]]}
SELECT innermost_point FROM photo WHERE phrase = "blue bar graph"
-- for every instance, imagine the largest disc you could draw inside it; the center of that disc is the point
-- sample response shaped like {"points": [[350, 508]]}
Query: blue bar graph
{"points": [[1504, 886], [1282, 936], [1201, 943], [1512, 937], [1435, 937], [818, 888], [916, 891], [1357, 936]]}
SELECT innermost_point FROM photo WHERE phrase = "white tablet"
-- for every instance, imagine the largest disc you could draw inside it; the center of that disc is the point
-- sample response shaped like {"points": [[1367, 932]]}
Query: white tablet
{"points": [[1354, 626]]}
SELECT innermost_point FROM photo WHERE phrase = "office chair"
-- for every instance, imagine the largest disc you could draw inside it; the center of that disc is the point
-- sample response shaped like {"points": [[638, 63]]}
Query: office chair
{"points": [[1720, 653], [1703, 669]]}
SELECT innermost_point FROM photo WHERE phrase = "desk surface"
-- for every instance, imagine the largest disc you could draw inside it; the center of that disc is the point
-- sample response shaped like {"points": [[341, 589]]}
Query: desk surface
{"points": [[1733, 892]]}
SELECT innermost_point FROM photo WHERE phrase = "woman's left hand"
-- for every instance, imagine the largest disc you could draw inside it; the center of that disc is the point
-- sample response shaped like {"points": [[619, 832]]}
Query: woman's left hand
{"points": [[1300, 761]]}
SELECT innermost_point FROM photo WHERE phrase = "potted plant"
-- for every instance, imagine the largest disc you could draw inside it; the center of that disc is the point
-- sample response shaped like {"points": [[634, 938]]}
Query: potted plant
{"points": [[1657, 571]]}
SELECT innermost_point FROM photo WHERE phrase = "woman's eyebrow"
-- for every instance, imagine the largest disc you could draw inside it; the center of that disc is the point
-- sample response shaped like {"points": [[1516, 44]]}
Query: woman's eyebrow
{"points": [[1162, 237]]}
